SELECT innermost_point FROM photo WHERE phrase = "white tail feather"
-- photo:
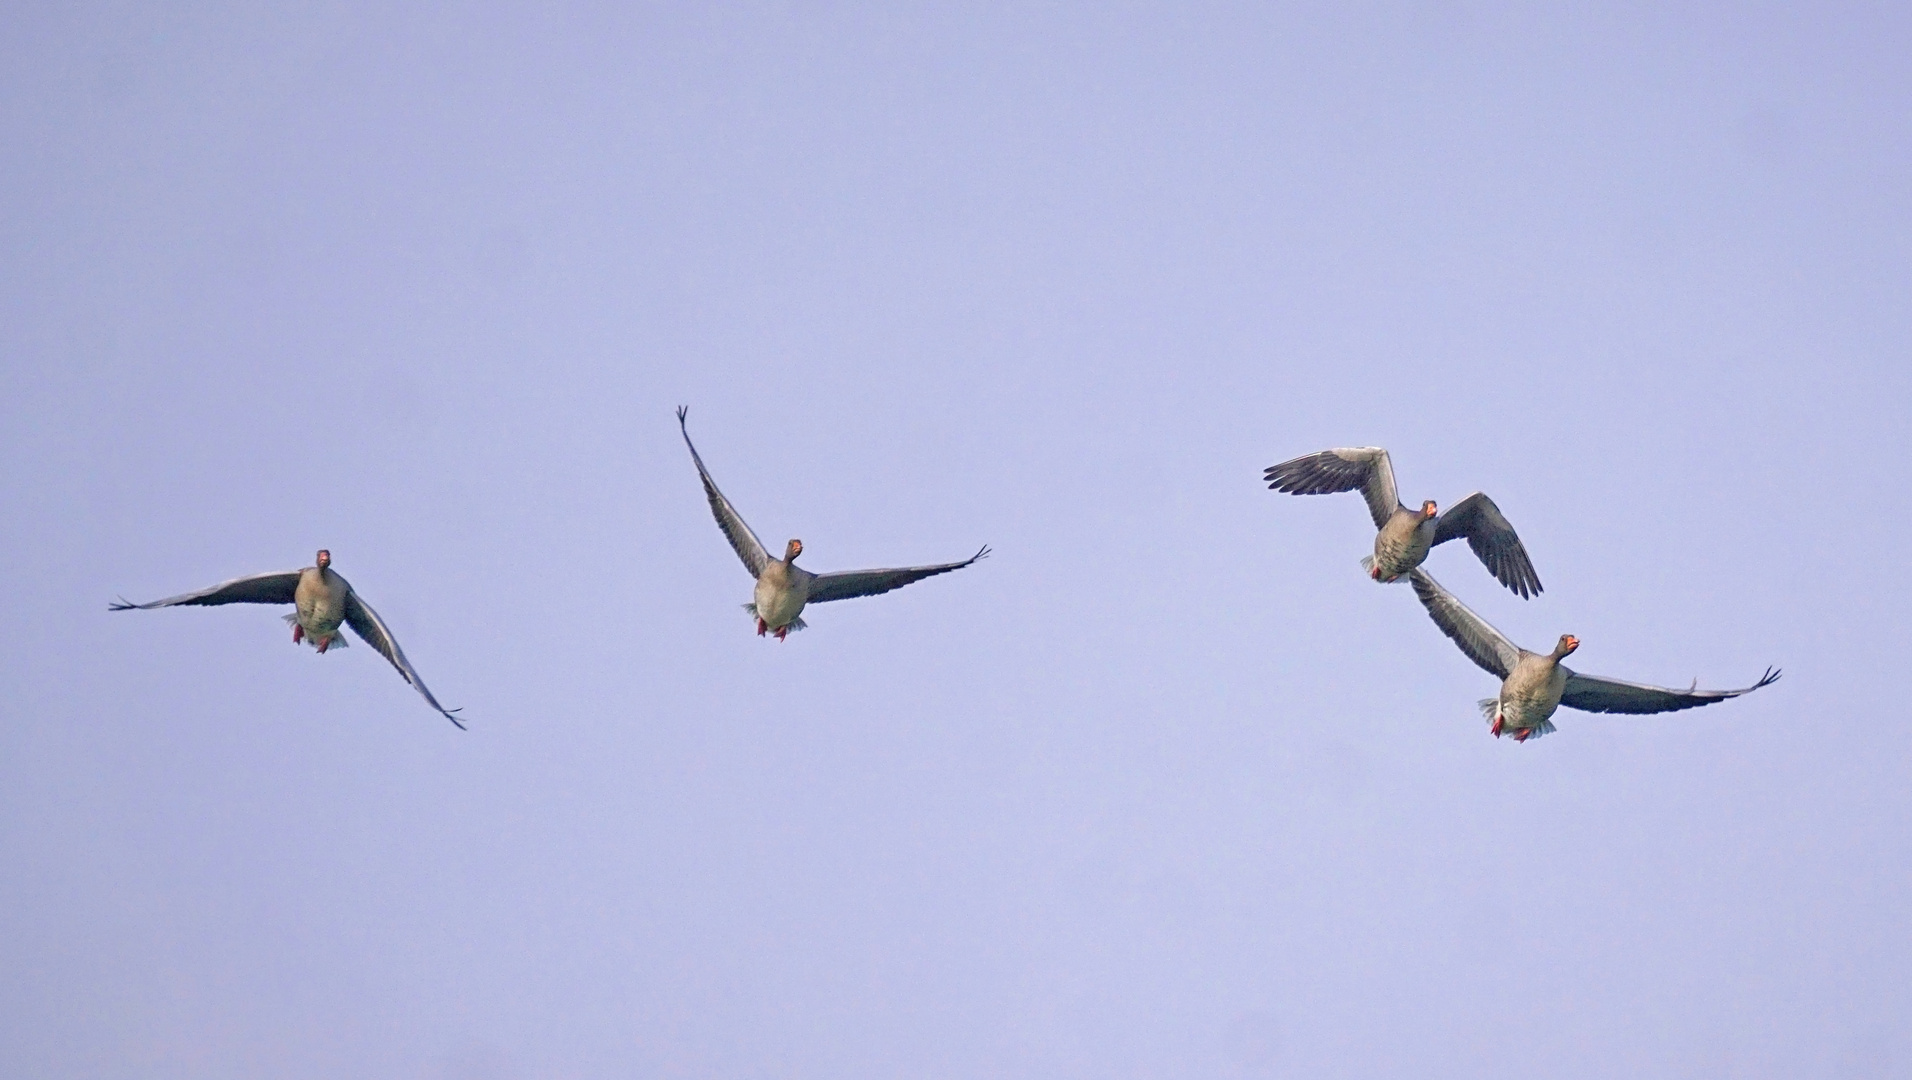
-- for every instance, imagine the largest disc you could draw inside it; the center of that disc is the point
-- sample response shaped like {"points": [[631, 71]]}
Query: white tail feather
{"points": [[795, 624], [338, 636], [1490, 706]]}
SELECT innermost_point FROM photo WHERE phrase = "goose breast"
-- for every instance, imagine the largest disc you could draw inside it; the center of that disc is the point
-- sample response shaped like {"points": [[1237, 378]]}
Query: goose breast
{"points": [[781, 592], [1532, 691], [321, 599], [1402, 544]]}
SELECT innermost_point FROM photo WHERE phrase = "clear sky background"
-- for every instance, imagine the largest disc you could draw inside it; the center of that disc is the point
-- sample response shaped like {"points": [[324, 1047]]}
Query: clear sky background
{"points": [[1164, 788]]}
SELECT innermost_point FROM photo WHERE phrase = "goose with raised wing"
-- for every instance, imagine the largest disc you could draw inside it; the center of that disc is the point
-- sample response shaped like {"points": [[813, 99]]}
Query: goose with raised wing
{"points": [[784, 589], [1405, 536], [323, 602], [1533, 685]]}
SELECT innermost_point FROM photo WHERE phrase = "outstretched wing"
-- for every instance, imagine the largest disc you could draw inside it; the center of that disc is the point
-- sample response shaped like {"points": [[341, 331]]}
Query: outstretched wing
{"points": [[366, 624], [843, 586], [1330, 471], [748, 547], [1483, 644], [1595, 694], [275, 588], [1493, 540]]}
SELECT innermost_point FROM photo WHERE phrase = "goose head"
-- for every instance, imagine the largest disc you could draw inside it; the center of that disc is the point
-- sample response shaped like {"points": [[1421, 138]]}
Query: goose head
{"points": [[1568, 643], [1428, 509], [324, 559], [791, 550]]}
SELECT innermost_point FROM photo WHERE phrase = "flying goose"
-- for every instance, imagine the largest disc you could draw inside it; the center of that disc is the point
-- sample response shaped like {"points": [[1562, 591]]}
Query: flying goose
{"points": [[783, 587], [1534, 684], [325, 600], [1406, 536]]}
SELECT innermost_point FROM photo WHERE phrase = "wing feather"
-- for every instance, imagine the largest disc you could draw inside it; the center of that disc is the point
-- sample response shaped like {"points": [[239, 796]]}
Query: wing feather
{"points": [[745, 542], [851, 583], [1595, 694], [367, 625], [1332, 471], [1481, 643], [1494, 542], [273, 588]]}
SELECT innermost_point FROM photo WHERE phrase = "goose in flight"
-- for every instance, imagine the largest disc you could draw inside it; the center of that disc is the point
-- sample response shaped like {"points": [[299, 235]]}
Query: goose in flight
{"points": [[1406, 536], [1534, 684], [324, 601], [783, 587]]}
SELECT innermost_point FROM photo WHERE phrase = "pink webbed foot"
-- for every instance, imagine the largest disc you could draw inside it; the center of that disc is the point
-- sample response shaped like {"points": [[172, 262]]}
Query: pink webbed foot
{"points": [[762, 627], [1497, 726], [325, 643], [1521, 735], [298, 633], [783, 632], [1375, 573]]}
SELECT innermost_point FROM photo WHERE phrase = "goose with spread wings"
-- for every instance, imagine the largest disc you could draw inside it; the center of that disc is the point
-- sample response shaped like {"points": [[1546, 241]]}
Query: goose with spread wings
{"points": [[1534, 684], [783, 587], [323, 602], [1406, 536]]}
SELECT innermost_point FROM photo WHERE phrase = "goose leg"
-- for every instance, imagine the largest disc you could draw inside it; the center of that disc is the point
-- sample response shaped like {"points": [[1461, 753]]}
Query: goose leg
{"points": [[298, 633], [783, 631], [761, 627], [325, 643]]}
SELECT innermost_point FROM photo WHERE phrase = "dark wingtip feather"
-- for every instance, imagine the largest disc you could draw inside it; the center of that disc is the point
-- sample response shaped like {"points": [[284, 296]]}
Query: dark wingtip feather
{"points": [[1324, 473], [121, 605], [1526, 586]]}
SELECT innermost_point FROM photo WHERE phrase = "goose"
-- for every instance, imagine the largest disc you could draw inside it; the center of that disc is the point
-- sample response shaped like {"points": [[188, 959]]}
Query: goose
{"points": [[1534, 684], [783, 587], [1406, 536], [324, 600]]}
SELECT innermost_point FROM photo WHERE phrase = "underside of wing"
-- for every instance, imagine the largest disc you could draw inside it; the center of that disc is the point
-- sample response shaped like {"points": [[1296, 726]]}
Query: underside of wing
{"points": [[1344, 469], [1493, 539], [745, 542], [852, 583], [1481, 643], [1591, 693], [367, 625], [273, 588]]}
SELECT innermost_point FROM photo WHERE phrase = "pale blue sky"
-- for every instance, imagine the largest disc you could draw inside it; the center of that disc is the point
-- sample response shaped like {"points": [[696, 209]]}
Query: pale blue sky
{"points": [[1164, 788]]}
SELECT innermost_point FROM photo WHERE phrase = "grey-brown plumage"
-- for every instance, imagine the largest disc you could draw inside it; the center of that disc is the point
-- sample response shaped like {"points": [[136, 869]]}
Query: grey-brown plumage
{"points": [[1403, 536], [1534, 685], [323, 601], [783, 588]]}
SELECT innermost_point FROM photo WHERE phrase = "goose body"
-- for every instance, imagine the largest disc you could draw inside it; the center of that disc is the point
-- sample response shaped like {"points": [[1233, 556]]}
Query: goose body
{"points": [[322, 602], [1530, 693], [1404, 537], [1401, 544], [783, 589], [1534, 685]]}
